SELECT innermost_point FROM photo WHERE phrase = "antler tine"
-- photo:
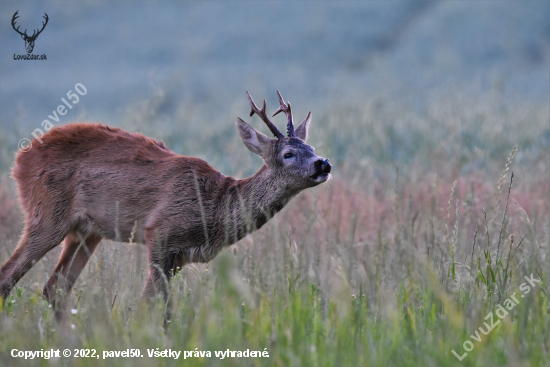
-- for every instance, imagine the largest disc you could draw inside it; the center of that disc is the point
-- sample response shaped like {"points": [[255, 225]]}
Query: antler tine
{"points": [[13, 19], [282, 108], [43, 24], [264, 117], [285, 107]]}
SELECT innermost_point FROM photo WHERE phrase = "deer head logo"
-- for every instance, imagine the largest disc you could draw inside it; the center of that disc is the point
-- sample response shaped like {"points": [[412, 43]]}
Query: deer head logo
{"points": [[29, 40]]}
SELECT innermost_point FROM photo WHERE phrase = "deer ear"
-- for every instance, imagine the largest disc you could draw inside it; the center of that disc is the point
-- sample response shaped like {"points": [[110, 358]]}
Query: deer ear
{"points": [[254, 140], [302, 129]]}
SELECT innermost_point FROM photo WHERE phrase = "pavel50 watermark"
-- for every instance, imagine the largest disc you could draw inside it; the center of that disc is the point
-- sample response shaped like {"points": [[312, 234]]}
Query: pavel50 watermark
{"points": [[501, 312], [25, 144]]}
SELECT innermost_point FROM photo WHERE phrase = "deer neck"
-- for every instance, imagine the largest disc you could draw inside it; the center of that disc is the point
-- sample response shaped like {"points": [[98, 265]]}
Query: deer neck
{"points": [[255, 200]]}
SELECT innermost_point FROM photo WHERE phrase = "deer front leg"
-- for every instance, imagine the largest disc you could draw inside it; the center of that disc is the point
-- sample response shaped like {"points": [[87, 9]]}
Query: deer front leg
{"points": [[163, 265], [158, 282]]}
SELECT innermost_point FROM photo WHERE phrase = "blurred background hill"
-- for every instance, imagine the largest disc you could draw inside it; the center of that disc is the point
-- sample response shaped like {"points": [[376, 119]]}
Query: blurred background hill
{"points": [[178, 71]]}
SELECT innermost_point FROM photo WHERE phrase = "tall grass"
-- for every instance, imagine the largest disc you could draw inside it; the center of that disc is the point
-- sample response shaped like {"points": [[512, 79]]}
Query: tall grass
{"points": [[389, 264]]}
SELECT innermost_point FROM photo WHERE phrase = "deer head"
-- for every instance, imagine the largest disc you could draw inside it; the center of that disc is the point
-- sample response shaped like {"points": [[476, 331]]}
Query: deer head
{"points": [[292, 160], [29, 40]]}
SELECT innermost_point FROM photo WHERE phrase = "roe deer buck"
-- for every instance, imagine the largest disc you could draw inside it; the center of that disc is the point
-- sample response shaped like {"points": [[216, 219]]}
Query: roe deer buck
{"points": [[87, 182]]}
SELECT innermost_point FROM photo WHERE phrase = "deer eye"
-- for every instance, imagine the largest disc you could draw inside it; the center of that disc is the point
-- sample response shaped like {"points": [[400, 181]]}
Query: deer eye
{"points": [[288, 155]]}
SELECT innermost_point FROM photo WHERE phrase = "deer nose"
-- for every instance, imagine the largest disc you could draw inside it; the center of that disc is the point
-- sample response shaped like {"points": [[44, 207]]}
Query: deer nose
{"points": [[323, 166], [326, 166]]}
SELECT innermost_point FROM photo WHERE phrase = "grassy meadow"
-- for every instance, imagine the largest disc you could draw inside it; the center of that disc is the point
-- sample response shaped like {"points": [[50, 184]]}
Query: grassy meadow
{"points": [[435, 116], [419, 235]]}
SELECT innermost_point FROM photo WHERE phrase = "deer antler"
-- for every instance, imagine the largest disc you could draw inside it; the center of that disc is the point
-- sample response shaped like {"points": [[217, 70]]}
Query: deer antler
{"points": [[285, 107], [264, 117], [15, 16], [43, 26]]}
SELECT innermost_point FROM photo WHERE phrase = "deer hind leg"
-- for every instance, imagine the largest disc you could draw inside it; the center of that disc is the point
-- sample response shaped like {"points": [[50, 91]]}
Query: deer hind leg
{"points": [[77, 250], [36, 241]]}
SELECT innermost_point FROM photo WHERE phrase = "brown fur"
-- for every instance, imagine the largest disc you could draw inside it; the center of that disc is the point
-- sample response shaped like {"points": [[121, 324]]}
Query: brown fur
{"points": [[86, 182]]}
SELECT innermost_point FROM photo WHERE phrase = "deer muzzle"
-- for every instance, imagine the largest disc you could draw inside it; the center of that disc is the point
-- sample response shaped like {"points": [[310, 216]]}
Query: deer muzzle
{"points": [[322, 170]]}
